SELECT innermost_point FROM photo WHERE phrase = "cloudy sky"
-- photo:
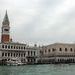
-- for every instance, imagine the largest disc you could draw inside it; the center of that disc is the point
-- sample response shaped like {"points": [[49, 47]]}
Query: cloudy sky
{"points": [[40, 21]]}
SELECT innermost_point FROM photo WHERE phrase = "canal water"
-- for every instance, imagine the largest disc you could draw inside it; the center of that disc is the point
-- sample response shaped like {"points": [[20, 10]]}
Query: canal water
{"points": [[61, 69]]}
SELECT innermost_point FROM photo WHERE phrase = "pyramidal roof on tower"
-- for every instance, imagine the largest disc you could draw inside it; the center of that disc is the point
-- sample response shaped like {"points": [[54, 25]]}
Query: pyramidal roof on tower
{"points": [[6, 19]]}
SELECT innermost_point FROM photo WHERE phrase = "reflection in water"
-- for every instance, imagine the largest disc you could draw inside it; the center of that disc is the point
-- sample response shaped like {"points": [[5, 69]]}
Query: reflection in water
{"points": [[63, 69]]}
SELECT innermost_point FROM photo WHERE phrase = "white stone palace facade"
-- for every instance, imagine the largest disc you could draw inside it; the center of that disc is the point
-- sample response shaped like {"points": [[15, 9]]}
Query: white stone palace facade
{"points": [[58, 53], [18, 51]]}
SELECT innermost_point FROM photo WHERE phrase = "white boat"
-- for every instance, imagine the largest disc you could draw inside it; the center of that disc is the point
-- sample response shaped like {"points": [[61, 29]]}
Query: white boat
{"points": [[19, 63], [14, 62]]}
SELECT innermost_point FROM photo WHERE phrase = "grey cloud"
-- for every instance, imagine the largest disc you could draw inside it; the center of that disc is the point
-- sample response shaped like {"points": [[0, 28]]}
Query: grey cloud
{"points": [[39, 21]]}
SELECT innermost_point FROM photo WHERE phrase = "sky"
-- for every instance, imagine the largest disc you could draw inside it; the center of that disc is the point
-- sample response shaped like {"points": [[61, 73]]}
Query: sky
{"points": [[40, 21]]}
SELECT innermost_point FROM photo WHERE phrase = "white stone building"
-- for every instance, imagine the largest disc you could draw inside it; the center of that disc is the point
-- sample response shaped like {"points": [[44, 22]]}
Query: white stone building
{"points": [[58, 53], [10, 50]]}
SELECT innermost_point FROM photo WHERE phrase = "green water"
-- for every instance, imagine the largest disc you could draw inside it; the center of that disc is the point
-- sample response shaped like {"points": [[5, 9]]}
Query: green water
{"points": [[38, 70]]}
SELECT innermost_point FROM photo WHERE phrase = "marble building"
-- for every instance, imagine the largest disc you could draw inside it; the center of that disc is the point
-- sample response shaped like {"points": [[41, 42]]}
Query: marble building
{"points": [[10, 50], [58, 53]]}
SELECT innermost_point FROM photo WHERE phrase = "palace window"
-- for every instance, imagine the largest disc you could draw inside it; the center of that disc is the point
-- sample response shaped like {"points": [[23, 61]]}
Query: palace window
{"points": [[2, 54], [19, 47], [5, 46], [14, 47], [28, 60], [53, 49], [60, 49], [34, 53], [24, 54], [65, 49], [71, 49], [34, 60], [14, 54], [24, 47], [5, 54], [2, 46], [41, 52], [48, 50], [8, 54], [9, 47]]}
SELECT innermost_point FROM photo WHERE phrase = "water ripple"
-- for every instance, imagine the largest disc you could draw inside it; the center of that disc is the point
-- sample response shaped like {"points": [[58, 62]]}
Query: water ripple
{"points": [[61, 69]]}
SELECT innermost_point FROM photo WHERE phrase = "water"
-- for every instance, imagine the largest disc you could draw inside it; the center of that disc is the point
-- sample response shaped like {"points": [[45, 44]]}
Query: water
{"points": [[48, 69]]}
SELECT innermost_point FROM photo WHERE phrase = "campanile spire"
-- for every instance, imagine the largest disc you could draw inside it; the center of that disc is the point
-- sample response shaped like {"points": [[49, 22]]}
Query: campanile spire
{"points": [[6, 19], [5, 37]]}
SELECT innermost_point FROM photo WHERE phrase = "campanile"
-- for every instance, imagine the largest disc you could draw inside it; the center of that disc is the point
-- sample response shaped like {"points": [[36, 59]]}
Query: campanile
{"points": [[5, 30]]}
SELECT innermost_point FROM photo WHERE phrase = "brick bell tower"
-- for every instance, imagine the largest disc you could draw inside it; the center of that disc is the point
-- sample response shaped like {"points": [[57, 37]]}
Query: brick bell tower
{"points": [[5, 37]]}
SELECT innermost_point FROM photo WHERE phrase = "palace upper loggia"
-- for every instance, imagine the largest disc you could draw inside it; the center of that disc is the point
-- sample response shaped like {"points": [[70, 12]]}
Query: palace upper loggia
{"points": [[14, 52]]}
